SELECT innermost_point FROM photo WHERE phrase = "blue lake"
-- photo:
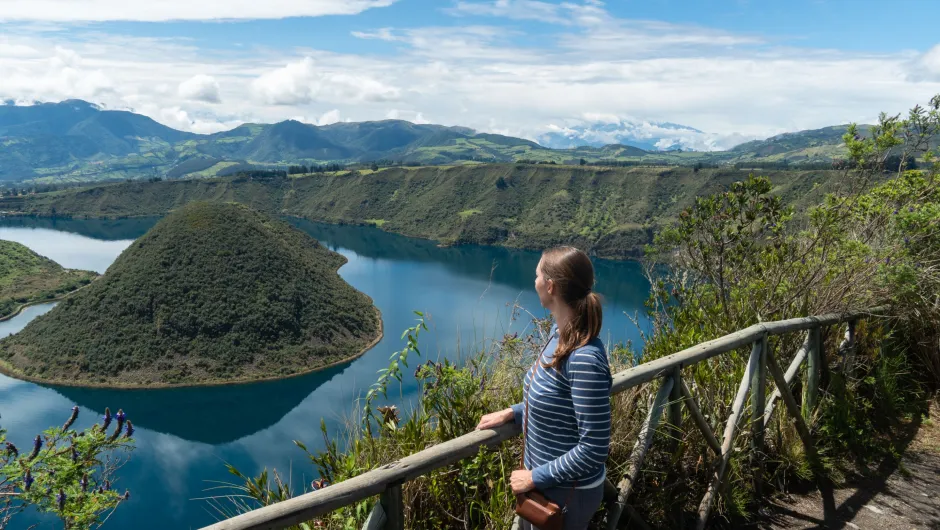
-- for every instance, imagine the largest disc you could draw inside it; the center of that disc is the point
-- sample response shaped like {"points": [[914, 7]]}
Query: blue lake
{"points": [[185, 436]]}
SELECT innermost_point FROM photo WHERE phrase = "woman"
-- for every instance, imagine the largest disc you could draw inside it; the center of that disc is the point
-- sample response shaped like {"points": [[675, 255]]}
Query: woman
{"points": [[567, 393]]}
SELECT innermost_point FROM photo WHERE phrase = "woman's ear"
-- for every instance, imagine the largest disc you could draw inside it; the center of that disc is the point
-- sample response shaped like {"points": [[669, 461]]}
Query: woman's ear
{"points": [[550, 286]]}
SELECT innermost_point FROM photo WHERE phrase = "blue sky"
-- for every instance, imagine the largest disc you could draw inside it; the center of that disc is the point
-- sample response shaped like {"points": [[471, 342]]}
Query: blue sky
{"points": [[735, 69]]}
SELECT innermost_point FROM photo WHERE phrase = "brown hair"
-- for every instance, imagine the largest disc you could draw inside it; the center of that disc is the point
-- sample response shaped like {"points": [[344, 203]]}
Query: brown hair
{"points": [[572, 274]]}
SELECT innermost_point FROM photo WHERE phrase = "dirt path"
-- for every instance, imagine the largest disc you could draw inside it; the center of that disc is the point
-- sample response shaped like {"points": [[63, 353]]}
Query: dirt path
{"points": [[897, 495]]}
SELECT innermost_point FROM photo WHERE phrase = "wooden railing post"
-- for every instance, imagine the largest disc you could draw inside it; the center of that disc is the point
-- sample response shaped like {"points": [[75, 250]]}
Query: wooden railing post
{"points": [[813, 371], [675, 404], [758, 384], [393, 507], [642, 445], [705, 507]]}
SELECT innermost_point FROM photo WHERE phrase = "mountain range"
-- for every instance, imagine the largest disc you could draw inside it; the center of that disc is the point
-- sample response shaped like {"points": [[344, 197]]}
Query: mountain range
{"points": [[75, 140]]}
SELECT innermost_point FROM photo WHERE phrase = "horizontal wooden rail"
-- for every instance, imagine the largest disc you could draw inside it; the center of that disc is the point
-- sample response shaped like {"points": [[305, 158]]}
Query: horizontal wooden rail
{"points": [[314, 504]]}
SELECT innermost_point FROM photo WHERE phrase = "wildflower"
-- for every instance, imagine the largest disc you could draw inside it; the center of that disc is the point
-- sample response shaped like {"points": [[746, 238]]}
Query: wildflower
{"points": [[100, 490], [803, 261], [130, 429], [127, 495], [12, 450], [120, 416], [84, 483], [37, 446], [106, 418], [888, 260], [910, 209], [61, 498], [107, 485], [74, 454], [28, 480], [895, 212], [71, 419]]}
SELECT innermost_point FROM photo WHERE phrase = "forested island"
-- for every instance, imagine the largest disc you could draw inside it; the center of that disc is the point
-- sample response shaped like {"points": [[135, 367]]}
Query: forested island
{"points": [[214, 293]]}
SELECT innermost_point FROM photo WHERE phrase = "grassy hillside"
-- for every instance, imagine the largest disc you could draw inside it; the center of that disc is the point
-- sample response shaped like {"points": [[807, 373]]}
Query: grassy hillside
{"points": [[75, 141], [27, 277], [214, 293], [610, 211]]}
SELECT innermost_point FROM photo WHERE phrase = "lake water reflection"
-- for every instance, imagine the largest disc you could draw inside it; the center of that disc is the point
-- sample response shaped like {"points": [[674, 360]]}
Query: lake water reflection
{"points": [[186, 435]]}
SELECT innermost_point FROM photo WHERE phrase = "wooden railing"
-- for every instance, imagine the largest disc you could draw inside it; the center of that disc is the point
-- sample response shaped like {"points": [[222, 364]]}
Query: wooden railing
{"points": [[386, 481]]}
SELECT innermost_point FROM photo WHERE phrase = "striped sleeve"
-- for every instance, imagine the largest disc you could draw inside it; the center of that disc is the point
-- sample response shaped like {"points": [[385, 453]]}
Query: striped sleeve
{"points": [[589, 377], [517, 413]]}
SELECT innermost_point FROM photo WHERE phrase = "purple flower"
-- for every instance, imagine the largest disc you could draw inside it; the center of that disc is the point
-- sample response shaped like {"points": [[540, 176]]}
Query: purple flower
{"points": [[127, 495], [74, 454], [910, 209], [107, 485], [61, 498], [28, 480], [907, 240], [888, 260], [71, 419], [106, 418], [130, 429], [100, 490], [12, 450], [120, 416], [803, 261], [84, 483], [37, 446], [895, 212]]}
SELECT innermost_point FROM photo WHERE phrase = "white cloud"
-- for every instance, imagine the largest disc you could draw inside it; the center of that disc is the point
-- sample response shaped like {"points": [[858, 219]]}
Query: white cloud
{"points": [[165, 10], [597, 68], [328, 117], [927, 66], [200, 88], [302, 82]]}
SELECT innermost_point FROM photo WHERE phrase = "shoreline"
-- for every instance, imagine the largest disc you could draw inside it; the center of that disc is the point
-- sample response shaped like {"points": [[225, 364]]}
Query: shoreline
{"points": [[9, 371], [59, 298], [342, 222]]}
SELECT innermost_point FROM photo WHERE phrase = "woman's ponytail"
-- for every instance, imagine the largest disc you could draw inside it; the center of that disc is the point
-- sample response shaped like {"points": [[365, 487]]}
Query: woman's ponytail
{"points": [[572, 273]]}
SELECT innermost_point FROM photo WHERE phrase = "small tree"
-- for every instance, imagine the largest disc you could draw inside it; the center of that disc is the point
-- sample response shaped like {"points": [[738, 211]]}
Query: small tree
{"points": [[67, 472]]}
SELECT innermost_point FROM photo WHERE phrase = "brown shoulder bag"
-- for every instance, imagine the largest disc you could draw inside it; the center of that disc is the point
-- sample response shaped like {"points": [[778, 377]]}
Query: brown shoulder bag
{"points": [[532, 505]]}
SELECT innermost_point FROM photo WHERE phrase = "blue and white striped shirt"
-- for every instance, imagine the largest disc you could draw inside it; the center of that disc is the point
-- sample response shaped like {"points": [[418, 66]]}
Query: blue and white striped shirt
{"points": [[569, 418]]}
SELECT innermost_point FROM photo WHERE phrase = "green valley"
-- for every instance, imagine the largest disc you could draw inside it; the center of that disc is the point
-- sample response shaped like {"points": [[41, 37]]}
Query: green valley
{"points": [[612, 212], [28, 278]]}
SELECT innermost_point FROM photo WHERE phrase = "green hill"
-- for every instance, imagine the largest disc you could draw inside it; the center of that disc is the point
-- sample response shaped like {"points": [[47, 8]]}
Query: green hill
{"points": [[610, 211], [214, 293], [27, 277], [77, 141]]}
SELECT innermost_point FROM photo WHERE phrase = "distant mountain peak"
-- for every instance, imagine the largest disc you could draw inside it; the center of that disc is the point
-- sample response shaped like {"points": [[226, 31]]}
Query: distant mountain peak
{"points": [[647, 135]]}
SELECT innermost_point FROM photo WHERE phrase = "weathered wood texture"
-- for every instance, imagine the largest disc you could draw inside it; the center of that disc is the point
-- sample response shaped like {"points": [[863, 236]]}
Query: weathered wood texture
{"points": [[642, 445], [792, 371], [699, 419], [376, 519], [737, 407]]}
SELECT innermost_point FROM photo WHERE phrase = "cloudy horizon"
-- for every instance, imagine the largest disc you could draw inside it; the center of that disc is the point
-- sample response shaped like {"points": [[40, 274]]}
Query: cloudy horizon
{"points": [[524, 68]]}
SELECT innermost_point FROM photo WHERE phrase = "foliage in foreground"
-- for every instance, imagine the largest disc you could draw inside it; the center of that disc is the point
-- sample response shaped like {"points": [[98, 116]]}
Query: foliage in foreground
{"points": [[735, 258], [66, 472]]}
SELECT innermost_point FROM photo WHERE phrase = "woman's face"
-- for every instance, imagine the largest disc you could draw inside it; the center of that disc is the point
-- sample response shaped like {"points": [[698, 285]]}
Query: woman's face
{"points": [[543, 287]]}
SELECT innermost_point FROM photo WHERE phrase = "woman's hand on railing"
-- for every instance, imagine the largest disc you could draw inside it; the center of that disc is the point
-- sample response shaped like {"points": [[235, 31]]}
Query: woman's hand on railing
{"points": [[495, 419]]}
